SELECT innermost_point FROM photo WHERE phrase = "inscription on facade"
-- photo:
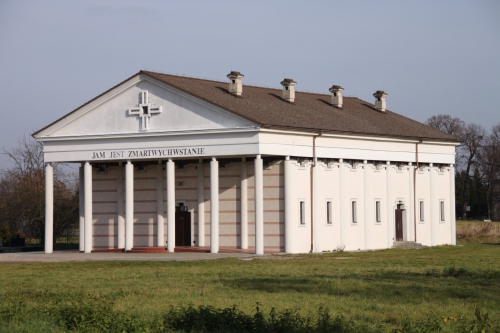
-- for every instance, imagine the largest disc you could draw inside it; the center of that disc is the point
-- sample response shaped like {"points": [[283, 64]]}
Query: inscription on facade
{"points": [[167, 152]]}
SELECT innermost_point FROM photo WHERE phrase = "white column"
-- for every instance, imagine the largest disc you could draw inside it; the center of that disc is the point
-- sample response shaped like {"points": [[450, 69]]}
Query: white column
{"points": [[214, 206], [411, 205], [120, 207], [170, 205], [81, 200], [244, 203], [318, 203], [289, 207], [453, 221], [369, 213], [160, 223], [49, 207], [88, 206], [201, 203], [390, 209], [129, 206], [259, 205], [343, 205], [433, 203]]}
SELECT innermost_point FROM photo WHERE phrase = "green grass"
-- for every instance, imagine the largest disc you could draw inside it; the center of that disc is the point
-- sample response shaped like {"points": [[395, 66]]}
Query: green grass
{"points": [[383, 288]]}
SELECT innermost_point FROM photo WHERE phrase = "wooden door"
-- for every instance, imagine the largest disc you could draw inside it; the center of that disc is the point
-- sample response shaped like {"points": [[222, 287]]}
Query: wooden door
{"points": [[182, 229], [399, 225]]}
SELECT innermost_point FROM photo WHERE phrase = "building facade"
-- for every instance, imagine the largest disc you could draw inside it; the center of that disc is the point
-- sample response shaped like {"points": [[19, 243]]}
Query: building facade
{"points": [[170, 161]]}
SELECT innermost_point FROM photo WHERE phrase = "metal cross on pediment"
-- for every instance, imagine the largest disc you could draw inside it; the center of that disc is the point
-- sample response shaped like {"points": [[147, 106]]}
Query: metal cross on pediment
{"points": [[145, 110]]}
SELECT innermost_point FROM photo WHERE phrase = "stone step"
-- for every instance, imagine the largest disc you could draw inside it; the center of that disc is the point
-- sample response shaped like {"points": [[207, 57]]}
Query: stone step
{"points": [[407, 245]]}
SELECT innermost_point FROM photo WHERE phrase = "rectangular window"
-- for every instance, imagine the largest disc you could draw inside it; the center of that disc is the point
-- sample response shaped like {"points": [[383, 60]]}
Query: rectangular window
{"points": [[354, 213], [329, 212], [422, 211], [378, 219], [441, 210], [302, 207]]}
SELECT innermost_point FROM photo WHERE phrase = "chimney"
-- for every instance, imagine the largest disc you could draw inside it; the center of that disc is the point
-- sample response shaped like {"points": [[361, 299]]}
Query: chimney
{"points": [[336, 95], [235, 86], [380, 104], [288, 93]]}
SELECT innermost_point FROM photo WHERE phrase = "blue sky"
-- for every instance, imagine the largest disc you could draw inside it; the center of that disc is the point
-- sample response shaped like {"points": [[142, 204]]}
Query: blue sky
{"points": [[431, 57]]}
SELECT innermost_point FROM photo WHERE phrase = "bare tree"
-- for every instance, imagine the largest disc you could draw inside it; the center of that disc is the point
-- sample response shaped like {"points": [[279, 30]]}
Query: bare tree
{"points": [[448, 124], [489, 164]]}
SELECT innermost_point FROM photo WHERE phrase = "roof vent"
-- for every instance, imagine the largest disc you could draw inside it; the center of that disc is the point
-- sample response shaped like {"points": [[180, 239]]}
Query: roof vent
{"points": [[380, 104], [336, 95], [288, 93], [235, 86]]}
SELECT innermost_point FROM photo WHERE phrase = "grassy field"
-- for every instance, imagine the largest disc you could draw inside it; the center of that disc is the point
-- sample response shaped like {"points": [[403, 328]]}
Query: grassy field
{"points": [[446, 288]]}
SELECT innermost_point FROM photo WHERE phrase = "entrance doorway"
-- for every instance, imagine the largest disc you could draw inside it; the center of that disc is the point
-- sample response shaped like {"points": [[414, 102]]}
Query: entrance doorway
{"points": [[182, 226], [399, 223]]}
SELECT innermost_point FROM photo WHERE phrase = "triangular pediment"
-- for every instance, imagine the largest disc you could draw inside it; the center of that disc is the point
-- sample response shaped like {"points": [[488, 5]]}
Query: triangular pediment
{"points": [[143, 105]]}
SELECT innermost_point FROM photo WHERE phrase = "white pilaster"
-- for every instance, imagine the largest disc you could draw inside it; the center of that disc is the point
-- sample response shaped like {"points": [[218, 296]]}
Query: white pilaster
{"points": [[411, 205], [244, 203], [343, 205], [170, 205], [49, 208], [369, 213], [160, 227], [453, 221], [259, 205], [433, 203], [88, 207], [390, 209], [318, 206], [201, 204], [214, 206], [81, 200], [289, 210], [129, 206], [120, 207]]}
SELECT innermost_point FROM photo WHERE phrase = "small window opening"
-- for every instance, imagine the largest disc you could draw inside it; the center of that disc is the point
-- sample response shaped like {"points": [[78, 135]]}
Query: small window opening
{"points": [[302, 212], [144, 110], [286, 88], [421, 211], [329, 212], [334, 94], [234, 81], [354, 213], [377, 211], [441, 211]]}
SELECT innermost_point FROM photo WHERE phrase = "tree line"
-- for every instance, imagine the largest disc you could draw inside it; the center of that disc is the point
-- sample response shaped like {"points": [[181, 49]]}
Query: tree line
{"points": [[477, 176], [22, 186], [22, 195]]}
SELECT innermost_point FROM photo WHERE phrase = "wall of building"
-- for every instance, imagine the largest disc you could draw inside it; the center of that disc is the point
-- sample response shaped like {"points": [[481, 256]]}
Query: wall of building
{"points": [[105, 196]]}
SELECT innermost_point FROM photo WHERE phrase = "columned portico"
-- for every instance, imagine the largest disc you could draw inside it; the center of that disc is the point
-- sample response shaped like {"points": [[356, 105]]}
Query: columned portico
{"points": [[129, 206], [259, 206], [170, 205], [88, 207], [214, 205], [49, 207]]}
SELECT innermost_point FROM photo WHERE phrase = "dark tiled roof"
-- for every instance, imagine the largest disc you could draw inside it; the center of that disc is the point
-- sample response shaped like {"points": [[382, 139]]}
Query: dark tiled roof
{"points": [[310, 112]]}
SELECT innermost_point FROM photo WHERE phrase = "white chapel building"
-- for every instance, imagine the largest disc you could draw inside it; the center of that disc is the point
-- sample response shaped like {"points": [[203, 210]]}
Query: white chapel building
{"points": [[180, 163]]}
